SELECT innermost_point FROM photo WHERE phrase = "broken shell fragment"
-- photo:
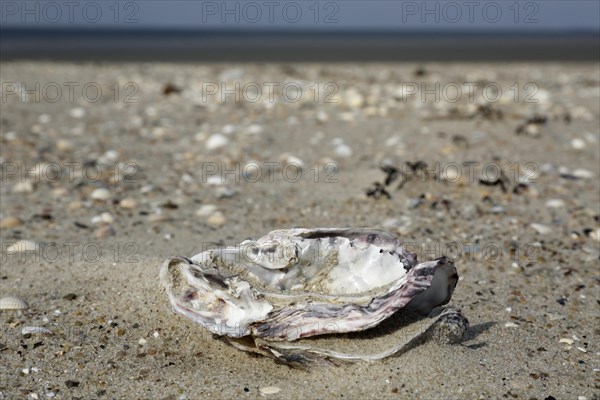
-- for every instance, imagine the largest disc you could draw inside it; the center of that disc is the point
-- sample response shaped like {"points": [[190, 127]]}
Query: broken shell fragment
{"points": [[293, 294], [13, 303], [35, 330]]}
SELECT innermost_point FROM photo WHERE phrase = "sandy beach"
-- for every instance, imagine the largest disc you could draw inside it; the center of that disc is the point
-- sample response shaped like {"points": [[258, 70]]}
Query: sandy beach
{"points": [[110, 168]]}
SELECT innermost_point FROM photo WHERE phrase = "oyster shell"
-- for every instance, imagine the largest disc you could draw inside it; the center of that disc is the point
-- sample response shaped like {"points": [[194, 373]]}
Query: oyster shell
{"points": [[281, 294]]}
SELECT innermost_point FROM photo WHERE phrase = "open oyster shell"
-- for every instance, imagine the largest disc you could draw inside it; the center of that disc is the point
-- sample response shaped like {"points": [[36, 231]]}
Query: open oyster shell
{"points": [[278, 294]]}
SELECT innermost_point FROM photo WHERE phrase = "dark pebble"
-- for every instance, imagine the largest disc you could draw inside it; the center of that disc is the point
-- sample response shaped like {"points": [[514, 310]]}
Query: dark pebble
{"points": [[171, 88], [420, 71], [170, 205], [71, 384], [562, 301], [520, 188]]}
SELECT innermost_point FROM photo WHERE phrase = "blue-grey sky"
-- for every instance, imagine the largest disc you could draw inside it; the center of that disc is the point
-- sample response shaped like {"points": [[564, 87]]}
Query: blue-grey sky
{"points": [[340, 15]]}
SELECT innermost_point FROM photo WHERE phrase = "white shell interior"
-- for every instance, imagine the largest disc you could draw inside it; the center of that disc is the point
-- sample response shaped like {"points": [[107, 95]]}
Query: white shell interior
{"points": [[334, 265]]}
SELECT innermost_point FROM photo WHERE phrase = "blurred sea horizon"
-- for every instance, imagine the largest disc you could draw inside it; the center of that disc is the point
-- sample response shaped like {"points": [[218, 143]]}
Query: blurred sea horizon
{"points": [[151, 44], [300, 30]]}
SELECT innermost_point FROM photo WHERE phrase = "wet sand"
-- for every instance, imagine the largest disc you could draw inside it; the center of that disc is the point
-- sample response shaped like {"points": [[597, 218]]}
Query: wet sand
{"points": [[164, 140]]}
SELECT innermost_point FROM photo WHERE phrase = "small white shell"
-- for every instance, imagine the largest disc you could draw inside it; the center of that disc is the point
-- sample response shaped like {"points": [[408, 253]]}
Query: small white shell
{"points": [[22, 246], [269, 390], [36, 330], [13, 303]]}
